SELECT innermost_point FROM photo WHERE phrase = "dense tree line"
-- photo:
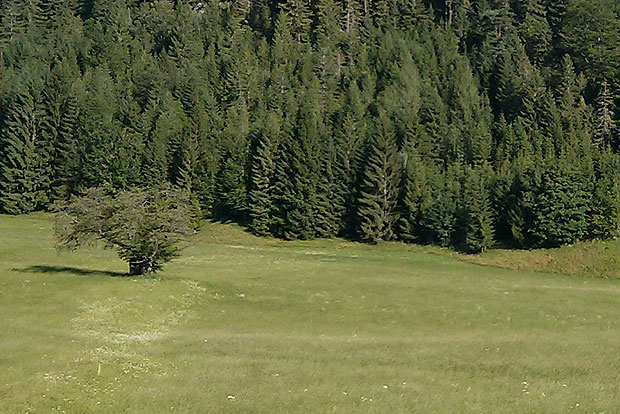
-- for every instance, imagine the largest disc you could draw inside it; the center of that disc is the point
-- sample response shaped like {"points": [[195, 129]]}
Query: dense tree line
{"points": [[455, 122]]}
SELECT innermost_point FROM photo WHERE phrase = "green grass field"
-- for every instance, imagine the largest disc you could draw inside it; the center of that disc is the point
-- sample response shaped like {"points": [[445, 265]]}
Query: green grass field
{"points": [[600, 259], [248, 325]]}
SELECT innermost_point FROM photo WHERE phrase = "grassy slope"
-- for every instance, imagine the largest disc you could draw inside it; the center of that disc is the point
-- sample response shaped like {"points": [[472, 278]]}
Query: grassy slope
{"points": [[599, 259], [323, 326]]}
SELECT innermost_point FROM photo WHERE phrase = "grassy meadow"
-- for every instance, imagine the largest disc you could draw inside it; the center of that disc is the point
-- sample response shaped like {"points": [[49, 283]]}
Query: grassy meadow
{"points": [[599, 259], [246, 325]]}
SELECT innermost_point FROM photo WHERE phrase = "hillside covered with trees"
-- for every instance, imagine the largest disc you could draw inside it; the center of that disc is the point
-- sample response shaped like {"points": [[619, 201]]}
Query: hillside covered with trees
{"points": [[454, 122]]}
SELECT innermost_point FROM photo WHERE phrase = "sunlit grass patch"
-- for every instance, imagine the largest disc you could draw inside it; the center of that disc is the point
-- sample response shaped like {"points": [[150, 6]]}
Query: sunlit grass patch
{"points": [[598, 259]]}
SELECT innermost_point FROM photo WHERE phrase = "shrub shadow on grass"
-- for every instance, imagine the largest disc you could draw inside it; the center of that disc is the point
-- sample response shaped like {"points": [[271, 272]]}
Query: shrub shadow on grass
{"points": [[67, 269]]}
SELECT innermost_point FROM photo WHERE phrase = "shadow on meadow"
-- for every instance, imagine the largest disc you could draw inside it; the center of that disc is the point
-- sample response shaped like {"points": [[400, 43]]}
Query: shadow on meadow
{"points": [[74, 270]]}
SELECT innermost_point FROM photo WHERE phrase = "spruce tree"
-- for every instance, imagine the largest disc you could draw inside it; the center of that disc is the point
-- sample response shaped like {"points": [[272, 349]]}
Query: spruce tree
{"points": [[402, 99], [304, 162], [478, 220], [561, 205], [24, 176], [604, 123], [230, 189], [260, 197], [439, 211], [379, 194], [330, 205], [535, 30], [13, 19], [605, 210], [415, 194], [330, 59], [349, 136], [300, 18], [59, 121]]}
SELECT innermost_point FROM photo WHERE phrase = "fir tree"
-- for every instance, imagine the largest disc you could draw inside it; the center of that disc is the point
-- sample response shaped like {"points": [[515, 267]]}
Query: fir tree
{"points": [[605, 210], [377, 203], [416, 194], [477, 212], [261, 194], [25, 178], [561, 205], [59, 120], [231, 188], [330, 58], [303, 155], [439, 211], [13, 19], [604, 122], [535, 30], [300, 18]]}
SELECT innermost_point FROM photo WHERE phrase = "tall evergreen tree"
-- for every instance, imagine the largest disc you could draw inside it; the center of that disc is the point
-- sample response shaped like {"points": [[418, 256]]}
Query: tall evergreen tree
{"points": [[478, 220], [300, 18], [261, 191], [562, 204], [439, 211], [25, 178], [535, 30], [379, 194], [58, 124], [415, 194], [604, 123]]}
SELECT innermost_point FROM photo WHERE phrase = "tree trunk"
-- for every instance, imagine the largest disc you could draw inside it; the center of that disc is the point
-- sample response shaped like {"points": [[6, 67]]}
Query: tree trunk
{"points": [[139, 267]]}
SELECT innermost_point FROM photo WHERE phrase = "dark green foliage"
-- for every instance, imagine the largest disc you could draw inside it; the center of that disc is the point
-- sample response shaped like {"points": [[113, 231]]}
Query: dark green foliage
{"points": [[604, 122], [382, 172], [605, 211], [562, 203], [477, 213], [24, 163], [589, 33], [330, 197], [535, 30], [298, 171], [439, 210], [415, 194], [261, 185], [299, 17], [230, 188], [58, 126], [459, 122], [519, 202]]}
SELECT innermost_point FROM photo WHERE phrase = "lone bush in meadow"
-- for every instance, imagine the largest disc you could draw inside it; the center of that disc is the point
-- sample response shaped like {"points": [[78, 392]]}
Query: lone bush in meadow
{"points": [[143, 226]]}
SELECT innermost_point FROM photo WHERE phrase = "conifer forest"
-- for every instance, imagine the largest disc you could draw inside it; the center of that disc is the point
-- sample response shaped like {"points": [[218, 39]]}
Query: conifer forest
{"points": [[461, 123]]}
